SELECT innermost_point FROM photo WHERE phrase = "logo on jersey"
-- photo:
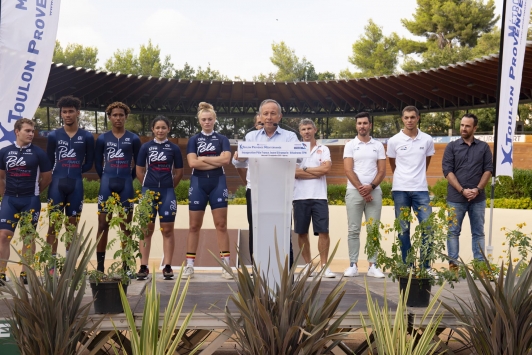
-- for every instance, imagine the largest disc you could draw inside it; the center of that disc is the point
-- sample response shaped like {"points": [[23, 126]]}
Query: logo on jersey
{"points": [[173, 205], [190, 191], [80, 138], [127, 139], [114, 153], [155, 156], [65, 153], [225, 194], [62, 142], [13, 162], [100, 200], [205, 147]]}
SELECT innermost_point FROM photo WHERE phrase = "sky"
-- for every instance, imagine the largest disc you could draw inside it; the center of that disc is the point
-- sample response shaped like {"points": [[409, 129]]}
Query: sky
{"points": [[234, 36]]}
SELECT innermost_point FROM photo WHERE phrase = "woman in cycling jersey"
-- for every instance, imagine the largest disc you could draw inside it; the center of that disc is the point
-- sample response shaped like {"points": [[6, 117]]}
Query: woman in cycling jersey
{"points": [[159, 169], [207, 153]]}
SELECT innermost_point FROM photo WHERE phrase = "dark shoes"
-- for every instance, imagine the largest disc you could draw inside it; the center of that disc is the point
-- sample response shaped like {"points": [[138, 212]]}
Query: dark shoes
{"points": [[168, 273], [143, 273], [24, 278]]}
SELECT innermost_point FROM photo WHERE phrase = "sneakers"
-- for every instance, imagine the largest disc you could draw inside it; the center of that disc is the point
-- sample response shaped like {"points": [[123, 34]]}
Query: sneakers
{"points": [[168, 273], [24, 278], [3, 279], [226, 275], [305, 270], [188, 272], [328, 273], [351, 271], [433, 273], [143, 273], [375, 272]]}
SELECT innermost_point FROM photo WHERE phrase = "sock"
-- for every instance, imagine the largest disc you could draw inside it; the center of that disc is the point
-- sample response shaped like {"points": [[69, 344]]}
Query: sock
{"points": [[143, 267], [351, 264], [168, 267], [191, 257], [225, 255], [100, 260]]}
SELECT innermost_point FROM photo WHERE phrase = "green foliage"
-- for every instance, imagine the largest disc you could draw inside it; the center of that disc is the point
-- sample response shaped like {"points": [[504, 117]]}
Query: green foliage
{"points": [[336, 192], [76, 55], [287, 318], [91, 189], [129, 234], [386, 187], [373, 53], [152, 339], [428, 241], [439, 191], [34, 319], [147, 63], [181, 190], [398, 336], [240, 192], [518, 187], [497, 318], [238, 201]]}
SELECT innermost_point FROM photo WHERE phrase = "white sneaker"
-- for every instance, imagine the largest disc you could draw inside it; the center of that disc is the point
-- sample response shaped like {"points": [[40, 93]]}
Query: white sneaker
{"points": [[305, 269], [328, 273], [226, 275], [433, 273], [351, 271], [189, 272], [375, 272]]}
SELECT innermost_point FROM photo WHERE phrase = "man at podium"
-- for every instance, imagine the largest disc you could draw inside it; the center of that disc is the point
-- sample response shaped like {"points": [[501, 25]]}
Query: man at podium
{"points": [[270, 115]]}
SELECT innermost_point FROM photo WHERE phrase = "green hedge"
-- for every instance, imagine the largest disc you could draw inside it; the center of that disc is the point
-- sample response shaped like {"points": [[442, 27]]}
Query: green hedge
{"points": [[505, 188]]}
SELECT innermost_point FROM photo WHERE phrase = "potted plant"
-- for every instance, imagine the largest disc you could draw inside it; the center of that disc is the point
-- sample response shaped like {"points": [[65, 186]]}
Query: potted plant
{"points": [[48, 315], [104, 285], [428, 240]]}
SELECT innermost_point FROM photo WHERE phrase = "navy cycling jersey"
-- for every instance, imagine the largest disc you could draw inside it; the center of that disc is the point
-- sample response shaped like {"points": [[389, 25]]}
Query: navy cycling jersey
{"points": [[70, 157], [23, 166], [113, 156], [160, 160], [211, 145]]}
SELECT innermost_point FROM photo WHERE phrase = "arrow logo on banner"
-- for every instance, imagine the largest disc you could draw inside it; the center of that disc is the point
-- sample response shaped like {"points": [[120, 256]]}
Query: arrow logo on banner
{"points": [[507, 156]]}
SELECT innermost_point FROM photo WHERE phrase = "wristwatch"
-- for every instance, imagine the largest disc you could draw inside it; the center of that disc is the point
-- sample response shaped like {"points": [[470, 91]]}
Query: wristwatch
{"points": [[373, 186], [305, 168], [479, 190]]}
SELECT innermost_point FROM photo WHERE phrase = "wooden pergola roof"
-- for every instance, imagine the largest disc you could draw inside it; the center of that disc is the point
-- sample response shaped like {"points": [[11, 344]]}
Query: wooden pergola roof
{"points": [[459, 86]]}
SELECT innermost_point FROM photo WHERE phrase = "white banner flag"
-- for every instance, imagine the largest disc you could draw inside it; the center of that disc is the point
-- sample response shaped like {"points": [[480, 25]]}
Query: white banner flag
{"points": [[28, 31], [517, 14]]}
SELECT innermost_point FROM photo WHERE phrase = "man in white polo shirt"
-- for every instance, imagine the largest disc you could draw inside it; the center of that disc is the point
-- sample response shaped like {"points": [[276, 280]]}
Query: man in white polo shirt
{"points": [[409, 152], [365, 168], [310, 197]]}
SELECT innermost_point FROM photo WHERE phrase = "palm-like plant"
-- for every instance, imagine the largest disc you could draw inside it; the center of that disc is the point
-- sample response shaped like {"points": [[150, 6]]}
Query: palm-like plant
{"points": [[285, 318], [48, 317], [394, 335], [151, 339], [498, 317]]}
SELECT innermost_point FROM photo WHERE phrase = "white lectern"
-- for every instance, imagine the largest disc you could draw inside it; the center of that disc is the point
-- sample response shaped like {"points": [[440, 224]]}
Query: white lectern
{"points": [[272, 168]]}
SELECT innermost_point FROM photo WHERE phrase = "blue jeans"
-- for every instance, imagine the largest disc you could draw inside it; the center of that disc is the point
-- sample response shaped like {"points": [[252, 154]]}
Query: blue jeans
{"points": [[476, 213], [419, 201]]}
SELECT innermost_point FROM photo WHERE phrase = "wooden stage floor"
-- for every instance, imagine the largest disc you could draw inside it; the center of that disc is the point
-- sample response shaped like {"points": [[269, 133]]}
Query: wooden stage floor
{"points": [[209, 292]]}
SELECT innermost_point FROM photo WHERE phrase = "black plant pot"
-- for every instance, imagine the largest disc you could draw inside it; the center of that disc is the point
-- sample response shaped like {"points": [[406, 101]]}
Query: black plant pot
{"points": [[419, 295], [107, 297]]}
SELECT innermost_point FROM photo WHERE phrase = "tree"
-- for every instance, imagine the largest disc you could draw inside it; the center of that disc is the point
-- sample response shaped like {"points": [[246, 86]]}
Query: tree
{"points": [[290, 67], [76, 55], [147, 63], [373, 53], [186, 73], [452, 29], [451, 23], [189, 73]]}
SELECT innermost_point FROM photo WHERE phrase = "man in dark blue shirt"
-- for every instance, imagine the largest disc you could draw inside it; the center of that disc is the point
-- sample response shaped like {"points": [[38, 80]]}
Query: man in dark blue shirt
{"points": [[71, 153], [467, 166], [114, 157], [24, 173]]}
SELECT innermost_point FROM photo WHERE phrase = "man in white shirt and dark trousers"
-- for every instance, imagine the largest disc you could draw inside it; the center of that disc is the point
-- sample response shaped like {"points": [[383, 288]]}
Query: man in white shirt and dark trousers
{"points": [[410, 152], [310, 197], [365, 168]]}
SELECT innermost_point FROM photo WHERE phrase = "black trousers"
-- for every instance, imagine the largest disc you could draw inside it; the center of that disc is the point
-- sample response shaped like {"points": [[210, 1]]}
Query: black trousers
{"points": [[250, 222]]}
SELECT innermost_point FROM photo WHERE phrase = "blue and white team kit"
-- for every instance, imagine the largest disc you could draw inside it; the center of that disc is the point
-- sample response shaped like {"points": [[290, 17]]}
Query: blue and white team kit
{"points": [[70, 157], [160, 159], [208, 185], [113, 160], [22, 166]]}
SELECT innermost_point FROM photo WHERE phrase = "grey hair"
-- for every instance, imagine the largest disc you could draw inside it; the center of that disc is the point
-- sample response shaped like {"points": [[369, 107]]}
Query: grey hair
{"points": [[307, 121], [267, 101]]}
